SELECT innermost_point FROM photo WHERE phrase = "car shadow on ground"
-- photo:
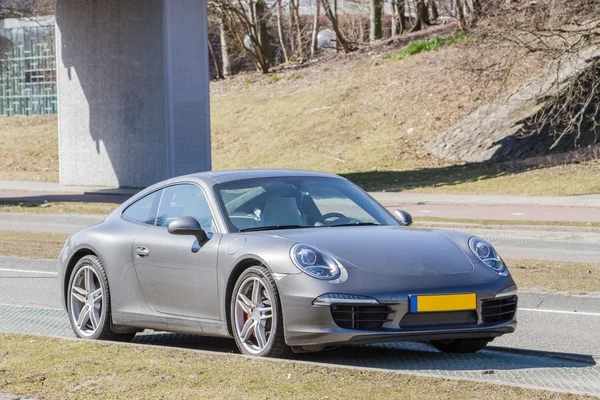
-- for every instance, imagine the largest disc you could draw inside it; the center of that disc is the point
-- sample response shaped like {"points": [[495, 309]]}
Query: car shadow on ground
{"points": [[404, 356]]}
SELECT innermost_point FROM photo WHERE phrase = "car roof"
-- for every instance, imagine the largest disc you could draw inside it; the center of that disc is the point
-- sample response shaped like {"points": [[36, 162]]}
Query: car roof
{"points": [[240, 174]]}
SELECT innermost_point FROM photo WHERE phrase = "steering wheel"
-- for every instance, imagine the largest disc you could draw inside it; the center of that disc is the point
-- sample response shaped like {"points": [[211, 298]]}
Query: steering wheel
{"points": [[338, 218]]}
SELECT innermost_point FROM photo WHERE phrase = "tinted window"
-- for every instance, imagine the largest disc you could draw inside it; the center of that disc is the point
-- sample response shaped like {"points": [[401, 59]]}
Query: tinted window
{"points": [[143, 210], [184, 201]]}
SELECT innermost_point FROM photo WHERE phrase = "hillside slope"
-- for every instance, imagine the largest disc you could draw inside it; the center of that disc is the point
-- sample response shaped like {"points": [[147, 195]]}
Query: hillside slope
{"points": [[365, 115], [350, 114]]}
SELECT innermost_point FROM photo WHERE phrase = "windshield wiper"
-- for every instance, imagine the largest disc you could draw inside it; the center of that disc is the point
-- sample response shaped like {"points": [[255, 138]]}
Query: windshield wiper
{"points": [[272, 228], [354, 224]]}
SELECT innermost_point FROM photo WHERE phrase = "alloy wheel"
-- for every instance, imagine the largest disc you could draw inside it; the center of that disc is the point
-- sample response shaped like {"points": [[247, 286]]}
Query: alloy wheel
{"points": [[253, 315], [86, 298]]}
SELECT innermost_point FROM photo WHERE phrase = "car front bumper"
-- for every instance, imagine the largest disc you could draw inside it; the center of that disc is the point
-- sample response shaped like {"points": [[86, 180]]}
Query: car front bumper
{"points": [[312, 327]]}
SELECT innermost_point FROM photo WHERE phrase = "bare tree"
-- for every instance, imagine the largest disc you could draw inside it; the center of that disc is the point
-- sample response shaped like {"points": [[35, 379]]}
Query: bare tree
{"points": [[247, 20], [422, 17], [433, 10], [341, 40], [375, 14], [225, 60], [397, 17], [296, 29], [280, 30], [566, 35], [218, 73], [315, 30], [25, 8]]}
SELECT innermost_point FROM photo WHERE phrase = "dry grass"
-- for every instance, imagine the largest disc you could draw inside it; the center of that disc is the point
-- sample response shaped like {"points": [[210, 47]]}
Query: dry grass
{"points": [[49, 368], [31, 244], [362, 115], [425, 221], [504, 179], [350, 114], [54, 207], [29, 148], [571, 278]]}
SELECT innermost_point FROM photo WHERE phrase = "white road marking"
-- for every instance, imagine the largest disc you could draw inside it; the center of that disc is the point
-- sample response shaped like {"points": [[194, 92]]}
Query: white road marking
{"points": [[26, 271], [425, 211], [518, 213], [561, 312]]}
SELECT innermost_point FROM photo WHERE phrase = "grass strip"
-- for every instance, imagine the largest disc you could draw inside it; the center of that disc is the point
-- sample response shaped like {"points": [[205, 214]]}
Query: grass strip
{"points": [[571, 278], [486, 222], [56, 207], [29, 244], [51, 368]]}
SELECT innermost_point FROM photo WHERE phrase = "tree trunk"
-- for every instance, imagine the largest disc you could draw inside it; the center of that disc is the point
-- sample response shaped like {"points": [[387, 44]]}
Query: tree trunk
{"points": [[224, 48], [298, 26], [341, 41], [315, 31], [218, 73], [376, 10], [280, 30], [291, 23], [462, 22], [263, 35], [422, 20], [397, 17], [433, 10]]}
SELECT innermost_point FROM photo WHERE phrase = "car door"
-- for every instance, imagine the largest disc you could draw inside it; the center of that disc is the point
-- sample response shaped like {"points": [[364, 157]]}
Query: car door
{"points": [[178, 275]]}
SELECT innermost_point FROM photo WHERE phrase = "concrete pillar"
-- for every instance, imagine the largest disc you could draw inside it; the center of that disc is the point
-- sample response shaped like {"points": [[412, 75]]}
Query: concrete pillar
{"points": [[132, 90]]}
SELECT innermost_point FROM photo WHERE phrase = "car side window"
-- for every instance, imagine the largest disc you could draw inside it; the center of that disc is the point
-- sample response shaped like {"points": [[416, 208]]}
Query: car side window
{"points": [[143, 210], [184, 201]]}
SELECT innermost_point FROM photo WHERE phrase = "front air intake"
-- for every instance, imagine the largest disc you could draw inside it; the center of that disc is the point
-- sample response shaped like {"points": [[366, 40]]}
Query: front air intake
{"points": [[497, 311], [361, 317]]}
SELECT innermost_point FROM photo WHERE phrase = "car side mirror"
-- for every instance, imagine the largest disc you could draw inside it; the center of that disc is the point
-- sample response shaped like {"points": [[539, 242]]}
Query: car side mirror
{"points": [[187, 226], [403, 217]]}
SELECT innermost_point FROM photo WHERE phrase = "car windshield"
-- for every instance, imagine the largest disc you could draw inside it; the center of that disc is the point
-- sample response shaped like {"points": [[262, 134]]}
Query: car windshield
{"points": [[298, 202]]}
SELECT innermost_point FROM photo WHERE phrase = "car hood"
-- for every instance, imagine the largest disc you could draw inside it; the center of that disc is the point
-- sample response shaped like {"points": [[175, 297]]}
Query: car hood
{"points": [[388, 250]]}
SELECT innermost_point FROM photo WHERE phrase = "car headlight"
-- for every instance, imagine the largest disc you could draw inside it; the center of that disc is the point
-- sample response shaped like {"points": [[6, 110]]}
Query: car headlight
{"points": [[315, 262], [486, 253]]}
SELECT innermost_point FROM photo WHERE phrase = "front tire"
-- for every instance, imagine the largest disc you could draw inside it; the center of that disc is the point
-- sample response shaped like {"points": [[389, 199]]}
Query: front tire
{"points": [[460, 345], [256, 316], [88, 301]]}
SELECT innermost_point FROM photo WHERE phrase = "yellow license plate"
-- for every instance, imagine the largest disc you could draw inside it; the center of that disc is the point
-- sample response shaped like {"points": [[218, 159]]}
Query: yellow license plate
{"points": [[443, 302]]}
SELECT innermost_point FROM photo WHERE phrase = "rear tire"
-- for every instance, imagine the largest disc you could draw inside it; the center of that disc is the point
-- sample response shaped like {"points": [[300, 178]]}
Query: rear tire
{"points": [[88, 302], [256, 315], [459, 345]]}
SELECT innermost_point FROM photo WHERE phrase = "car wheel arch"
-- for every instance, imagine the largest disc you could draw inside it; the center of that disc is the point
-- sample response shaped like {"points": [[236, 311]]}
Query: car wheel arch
{"points": [[239, 268], [78, 255]]}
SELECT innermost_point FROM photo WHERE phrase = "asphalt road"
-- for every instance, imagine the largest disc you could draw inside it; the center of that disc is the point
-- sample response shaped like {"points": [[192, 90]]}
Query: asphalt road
{"points": [[555, 346], [552, 323], [545, 243]]}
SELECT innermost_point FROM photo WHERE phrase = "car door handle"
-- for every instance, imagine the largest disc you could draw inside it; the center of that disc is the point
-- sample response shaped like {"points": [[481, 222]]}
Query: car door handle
{"points": [[142, 252]]}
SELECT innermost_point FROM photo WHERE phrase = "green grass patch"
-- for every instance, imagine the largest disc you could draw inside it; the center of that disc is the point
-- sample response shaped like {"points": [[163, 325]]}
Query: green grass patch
{"points": [[421, 46], [52, 368]]}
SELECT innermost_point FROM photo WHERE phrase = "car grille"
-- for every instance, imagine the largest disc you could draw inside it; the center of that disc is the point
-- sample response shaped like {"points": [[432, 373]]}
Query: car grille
{"points": [[363, 317], [496, 311]]}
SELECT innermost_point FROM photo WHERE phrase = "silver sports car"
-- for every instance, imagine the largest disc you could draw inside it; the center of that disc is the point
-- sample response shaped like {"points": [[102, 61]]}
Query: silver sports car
{"points": [[281, 260]]}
